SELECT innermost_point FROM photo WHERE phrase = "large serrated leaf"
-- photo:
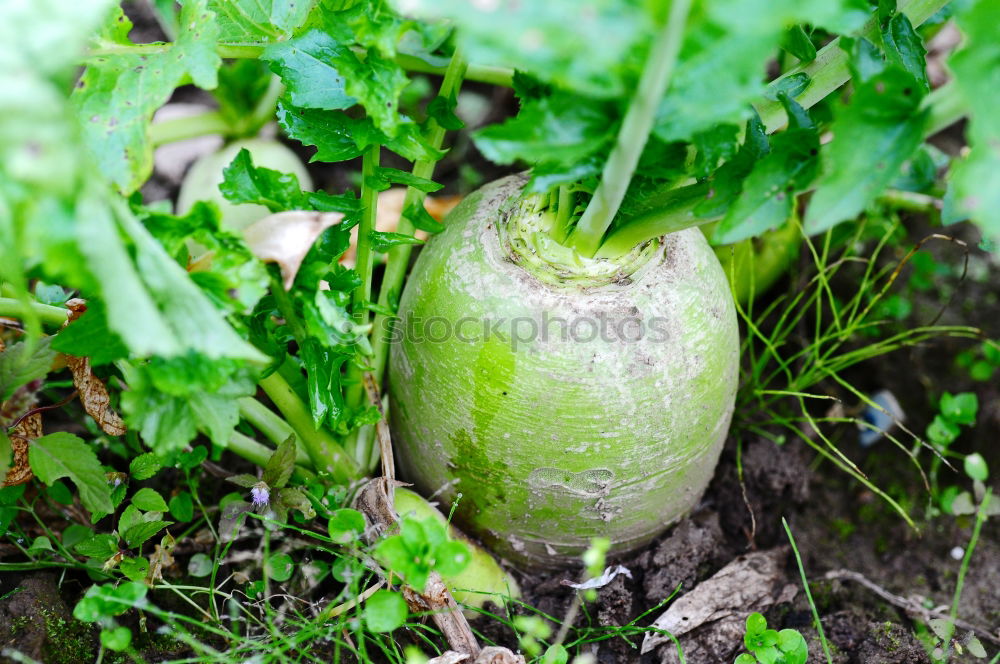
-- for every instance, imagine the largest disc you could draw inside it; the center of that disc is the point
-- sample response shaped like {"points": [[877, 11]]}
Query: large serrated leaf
{"points": [[768, 194], [880, 129], [117, 95], [339, 137], [256, 21], [308, 66], [59, 455], [975, 182], [22, 363]]}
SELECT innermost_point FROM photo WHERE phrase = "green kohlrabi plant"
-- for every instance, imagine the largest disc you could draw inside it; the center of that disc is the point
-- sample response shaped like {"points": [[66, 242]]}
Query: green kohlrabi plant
{"points": [[564, 354]]}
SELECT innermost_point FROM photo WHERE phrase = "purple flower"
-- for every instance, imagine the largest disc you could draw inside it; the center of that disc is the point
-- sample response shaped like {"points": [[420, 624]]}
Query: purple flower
{"points": [[260, 494]]}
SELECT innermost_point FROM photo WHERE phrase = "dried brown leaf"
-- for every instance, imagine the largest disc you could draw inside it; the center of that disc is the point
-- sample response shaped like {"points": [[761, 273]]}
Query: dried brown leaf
{"points": [[94, 396], [162, 558], [498, 655], [286, 237], [21, 436], [751, 582]]}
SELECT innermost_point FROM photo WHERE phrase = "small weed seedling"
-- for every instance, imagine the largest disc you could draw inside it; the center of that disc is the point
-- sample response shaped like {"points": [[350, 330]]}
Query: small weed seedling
{"points": [[769, 646]]}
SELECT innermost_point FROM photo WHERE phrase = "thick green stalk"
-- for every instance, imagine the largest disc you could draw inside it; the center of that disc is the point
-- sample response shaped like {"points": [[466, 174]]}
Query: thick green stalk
{"points": [[46, 313], [258, 453], [354, 390], [830, 69], [502, 76], [586, 237], [399, 256], [324, 452], [273, 427], [179, 129], [365, 255], [945, 107]]}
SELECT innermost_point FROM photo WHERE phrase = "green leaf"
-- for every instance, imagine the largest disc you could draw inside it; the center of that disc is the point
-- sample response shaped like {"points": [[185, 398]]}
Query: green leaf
{"points": [[279, 567], [768, 195], [89, 336], [744, 658], [793, 645], [339, 137], [451, 557], [257, 21], [535, 37], [798, 43], [200, 565], [561, 129], [149, 500], [405, 178], [880, 129], [244, 480], [755, 624], [117, 95], [279, 467], [384, 611], [421, 219], [144, 466], [116, 638], [308, 66], [140, 533], [383, 241], [555, 654], [182, 507], [960, 408], [130, 516], [233, 514], [245, 183], [98, 547], [727, 182], [442, 109], [942, 431], [39, 544], [376, 82], [714, 145], [903, 47], [59, 455], [21, 363], [109, 601], [296, 498], [975, 467], [170, 401], [974, 182], [152, 303], [135, 569], [346, 525]]}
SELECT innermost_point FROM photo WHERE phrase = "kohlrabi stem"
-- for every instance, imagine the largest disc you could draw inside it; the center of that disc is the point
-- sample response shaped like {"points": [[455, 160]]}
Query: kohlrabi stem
{"points": [[179, 129], [586, 237], [399, 256], [258, 453], [564, 209], [324, 452], [365, 255], [502, 76], [48, 315], [830, 69], [353, 389], [273, 427], [947, 106]]}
